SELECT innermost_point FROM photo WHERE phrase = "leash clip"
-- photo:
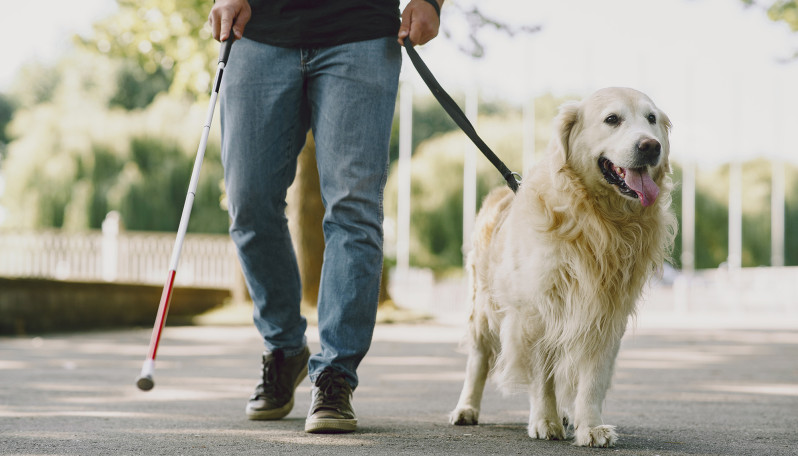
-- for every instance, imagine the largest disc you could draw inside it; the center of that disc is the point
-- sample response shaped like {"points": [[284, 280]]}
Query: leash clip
{"points": [[513, 180]]}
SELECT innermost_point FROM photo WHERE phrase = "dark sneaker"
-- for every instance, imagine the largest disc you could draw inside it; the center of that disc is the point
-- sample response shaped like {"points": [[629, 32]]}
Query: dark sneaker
{"points": [[274, 396], [331, 405]]}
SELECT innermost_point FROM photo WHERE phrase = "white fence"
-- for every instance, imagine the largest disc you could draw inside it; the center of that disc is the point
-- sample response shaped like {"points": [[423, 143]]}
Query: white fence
{"points": [[207, 261], [747, 294]]}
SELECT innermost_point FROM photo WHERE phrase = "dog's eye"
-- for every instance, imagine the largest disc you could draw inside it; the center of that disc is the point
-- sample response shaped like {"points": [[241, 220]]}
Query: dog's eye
{"points": [[652, 119], [612, 119]]}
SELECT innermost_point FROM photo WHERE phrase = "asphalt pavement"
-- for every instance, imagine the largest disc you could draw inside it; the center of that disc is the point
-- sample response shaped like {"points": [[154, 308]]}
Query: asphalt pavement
{"points": [[700, 391]]}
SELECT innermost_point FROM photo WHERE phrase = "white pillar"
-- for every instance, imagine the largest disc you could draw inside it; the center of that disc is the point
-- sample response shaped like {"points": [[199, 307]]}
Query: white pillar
{"points": [[528, 113], [735, 215], [777, 214], [470, 174], [682, 286], [777, 190], [528, 123], [688, 217], [110, 245], [403, 199]]}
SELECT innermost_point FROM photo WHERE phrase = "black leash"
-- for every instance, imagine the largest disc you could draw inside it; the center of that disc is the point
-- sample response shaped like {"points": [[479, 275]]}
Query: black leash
{"points": [[513, 179]]}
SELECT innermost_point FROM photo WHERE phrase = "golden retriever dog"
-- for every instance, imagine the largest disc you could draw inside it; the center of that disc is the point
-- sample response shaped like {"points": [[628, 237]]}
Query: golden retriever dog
{"points": [[557, 268]]}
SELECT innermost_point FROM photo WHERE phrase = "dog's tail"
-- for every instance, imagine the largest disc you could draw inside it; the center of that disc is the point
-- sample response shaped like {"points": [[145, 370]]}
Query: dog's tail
{"points": [[491, 214]]}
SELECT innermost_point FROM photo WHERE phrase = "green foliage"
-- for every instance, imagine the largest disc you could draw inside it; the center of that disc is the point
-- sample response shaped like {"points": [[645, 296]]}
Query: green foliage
{"points": [[429, 119], [73, 160], [167, 171], [791, 215], [437, 174], [136, 88], [791, 218], [712, 215], [97, 132], [780, 11], [785, 10], [166, 38], [36, 83], [711, 231], [102, 174], [156, 202], [756, 213], [437, 189], [7, 108]]}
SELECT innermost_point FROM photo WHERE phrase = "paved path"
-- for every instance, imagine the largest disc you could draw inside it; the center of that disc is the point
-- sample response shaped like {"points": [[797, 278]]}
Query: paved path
{"points": [[676, 392]]}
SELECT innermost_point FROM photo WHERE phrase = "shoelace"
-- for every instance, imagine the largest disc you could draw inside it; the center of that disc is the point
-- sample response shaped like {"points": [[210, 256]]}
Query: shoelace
{"points": [[334, 390], [269, 384]]}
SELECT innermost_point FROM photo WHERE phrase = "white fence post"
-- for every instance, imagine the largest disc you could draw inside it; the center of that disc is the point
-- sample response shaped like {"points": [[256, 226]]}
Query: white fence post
{"points": [[405, 156], [110, 246], [470, 175]]}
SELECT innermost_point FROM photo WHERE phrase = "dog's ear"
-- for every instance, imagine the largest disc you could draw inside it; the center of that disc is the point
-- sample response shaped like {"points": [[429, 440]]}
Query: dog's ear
{"points": [[564, 124]]}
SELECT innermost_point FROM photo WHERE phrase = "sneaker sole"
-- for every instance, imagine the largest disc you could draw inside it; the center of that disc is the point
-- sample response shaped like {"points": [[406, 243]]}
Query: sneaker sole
{"points": [[276, 414], [330, 426]]}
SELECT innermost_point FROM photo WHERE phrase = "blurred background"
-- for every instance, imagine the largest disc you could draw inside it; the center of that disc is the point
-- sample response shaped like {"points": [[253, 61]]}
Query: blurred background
{"points": [[102, 105]]}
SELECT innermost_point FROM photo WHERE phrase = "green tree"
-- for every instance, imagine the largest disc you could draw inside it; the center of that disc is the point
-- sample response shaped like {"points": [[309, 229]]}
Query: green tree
{"points": [[168, 39], [36, 83], [7, 107], [73, 159], [779, 10], [791, 219], [786, 11], [136, 88]]}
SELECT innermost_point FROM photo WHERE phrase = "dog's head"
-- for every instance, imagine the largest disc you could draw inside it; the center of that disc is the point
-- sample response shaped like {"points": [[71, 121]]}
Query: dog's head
{"points": [[616, 140]]}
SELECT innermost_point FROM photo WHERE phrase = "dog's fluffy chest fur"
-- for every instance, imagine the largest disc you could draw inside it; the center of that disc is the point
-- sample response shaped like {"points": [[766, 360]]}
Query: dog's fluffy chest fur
{"points": [[568, 266], [569, 251]]}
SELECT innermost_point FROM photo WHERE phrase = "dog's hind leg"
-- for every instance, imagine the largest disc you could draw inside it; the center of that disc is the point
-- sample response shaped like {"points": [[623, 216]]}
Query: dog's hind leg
{"points": [[467, 410], [480, 353]]}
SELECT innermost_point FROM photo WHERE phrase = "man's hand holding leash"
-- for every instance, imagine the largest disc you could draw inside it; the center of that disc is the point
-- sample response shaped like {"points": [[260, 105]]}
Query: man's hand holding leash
{"points": [[420, 21]]}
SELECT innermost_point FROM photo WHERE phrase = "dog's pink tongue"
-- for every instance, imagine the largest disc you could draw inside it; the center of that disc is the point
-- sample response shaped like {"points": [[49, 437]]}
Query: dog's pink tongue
{"points": [[640, 181]]}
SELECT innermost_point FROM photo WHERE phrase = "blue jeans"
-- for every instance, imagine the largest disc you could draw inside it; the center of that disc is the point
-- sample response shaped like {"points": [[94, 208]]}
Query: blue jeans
{"points": [[270, 97]]}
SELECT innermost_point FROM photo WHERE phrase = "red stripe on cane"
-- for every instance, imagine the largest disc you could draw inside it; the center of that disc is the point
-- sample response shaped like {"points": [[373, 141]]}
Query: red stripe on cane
{"points": [[163, 309]]}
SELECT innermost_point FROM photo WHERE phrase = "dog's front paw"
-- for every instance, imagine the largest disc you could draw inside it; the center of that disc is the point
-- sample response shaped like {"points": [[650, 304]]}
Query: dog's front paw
{"points": [[546, 429], [603, 436], [465, 416]]}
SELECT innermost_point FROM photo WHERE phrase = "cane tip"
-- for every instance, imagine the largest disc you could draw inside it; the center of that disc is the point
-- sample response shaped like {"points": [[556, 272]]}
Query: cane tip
{"points": [[145, 383]]}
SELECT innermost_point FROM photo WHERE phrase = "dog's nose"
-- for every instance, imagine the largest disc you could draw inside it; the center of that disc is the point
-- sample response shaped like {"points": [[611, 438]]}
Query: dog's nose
{"points": [[648, 151]]}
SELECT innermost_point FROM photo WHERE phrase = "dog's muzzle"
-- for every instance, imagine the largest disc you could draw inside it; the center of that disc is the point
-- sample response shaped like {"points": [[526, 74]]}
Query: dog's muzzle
{"points": [[633, 183]]}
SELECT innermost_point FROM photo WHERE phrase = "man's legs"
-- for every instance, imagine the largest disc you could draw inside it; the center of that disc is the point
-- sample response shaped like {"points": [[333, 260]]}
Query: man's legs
{"points": [[352, 92], [264, 122]]}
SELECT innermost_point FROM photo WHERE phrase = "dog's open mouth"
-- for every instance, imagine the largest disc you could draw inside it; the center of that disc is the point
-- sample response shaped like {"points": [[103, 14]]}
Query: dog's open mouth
{"points": [[631, 182]]}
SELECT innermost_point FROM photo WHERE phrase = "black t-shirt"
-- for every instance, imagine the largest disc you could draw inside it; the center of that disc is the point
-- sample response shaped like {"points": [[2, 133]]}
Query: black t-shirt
{"points": [[321, 23]]}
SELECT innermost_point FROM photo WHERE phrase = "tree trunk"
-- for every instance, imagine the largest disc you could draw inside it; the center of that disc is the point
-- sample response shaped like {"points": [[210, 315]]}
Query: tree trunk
{"points": [[305, 214]]}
